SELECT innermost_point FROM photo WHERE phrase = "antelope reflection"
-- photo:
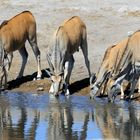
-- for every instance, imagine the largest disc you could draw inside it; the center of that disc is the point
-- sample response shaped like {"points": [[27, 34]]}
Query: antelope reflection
{"points": [[39, 117], [117, 122], [54, 121], [14, 123], [61, 120]]}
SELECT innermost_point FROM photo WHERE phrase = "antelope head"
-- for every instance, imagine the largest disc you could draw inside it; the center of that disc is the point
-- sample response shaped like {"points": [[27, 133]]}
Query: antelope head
{"points": [[95, 85], [113, 89], [56, 76]]}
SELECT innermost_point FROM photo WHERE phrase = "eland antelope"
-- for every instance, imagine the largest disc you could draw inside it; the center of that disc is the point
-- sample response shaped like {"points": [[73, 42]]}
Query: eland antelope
{"points": [[109, 64], [128, 68], [109, 67], [66, 41], [13, 35]]}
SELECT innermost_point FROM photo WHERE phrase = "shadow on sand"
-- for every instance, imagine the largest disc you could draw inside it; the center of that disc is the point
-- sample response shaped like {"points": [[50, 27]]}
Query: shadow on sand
{"points": [[74, 87], [19, 81], [79, 85]]}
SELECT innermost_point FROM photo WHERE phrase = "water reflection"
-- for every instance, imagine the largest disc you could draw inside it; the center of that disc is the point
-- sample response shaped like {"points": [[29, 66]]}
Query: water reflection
{"points": [[120, 120], [40, 117]]}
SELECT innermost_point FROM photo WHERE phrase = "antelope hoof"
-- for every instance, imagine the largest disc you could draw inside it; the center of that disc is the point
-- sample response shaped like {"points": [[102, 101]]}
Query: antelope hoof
{"points": [[67, 93], [122, 97], [131, 96], [3, 87], [38, 78]]}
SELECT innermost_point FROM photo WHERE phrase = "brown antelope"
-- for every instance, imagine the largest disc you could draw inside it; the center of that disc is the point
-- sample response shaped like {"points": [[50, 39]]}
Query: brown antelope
{"points": [[109, 67], [128, 68], [66, 41], [13, 35]]}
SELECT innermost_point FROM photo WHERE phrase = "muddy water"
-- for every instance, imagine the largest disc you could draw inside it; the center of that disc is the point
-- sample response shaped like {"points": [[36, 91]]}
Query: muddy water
{"points": [[43, 117]]}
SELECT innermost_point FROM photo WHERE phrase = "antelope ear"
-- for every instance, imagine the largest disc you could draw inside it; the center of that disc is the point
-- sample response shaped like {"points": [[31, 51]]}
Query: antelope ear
{"points": [[93, 78]]}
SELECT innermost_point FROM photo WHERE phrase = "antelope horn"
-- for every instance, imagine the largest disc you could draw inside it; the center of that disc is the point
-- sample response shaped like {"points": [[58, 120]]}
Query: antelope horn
{"points": [[106, 76], [50, 63], [1, 55], [61, 64], [92, 79]]}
